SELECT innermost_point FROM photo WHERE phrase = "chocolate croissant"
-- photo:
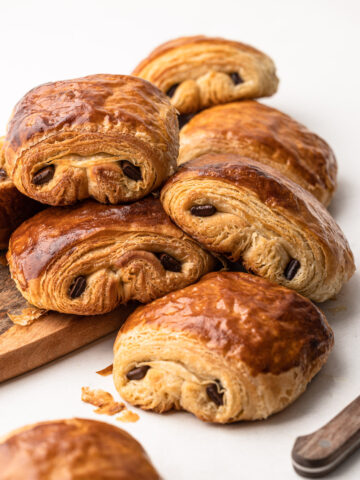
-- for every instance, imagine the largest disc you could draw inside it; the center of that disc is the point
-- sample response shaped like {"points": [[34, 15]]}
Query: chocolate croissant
{"points": [[73, 449], [230, 347], [198, 72], [89, 258], [248, 211], [110, 137], [14, 206], [264, 134]]}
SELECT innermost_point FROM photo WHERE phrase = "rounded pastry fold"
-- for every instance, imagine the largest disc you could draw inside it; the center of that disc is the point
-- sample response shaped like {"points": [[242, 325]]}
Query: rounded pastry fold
{"points": [[110, 137], [197, 72], [14, 206], [248, 211], [90, 258], [230, 347], [267, 135], [74, 448]]}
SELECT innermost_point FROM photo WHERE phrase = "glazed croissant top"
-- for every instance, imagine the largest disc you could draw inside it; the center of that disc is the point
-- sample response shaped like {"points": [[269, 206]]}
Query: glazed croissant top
{"points": [[243, 317], [267, 135], [230, 347], [197, 72], [75, 449], [110, 137], [89, 258], [246, 210]]}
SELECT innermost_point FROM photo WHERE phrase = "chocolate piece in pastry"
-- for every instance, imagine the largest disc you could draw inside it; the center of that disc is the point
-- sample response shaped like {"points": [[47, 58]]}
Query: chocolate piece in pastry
{"points": [[73, 449], [14, 206], [264, 134], [198, 72], [110, 137], [88, 259], [231, 347], [248, 211]]}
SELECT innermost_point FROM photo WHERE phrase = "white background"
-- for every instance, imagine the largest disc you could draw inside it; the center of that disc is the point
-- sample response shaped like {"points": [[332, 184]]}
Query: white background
{"points": [[315, 45]]}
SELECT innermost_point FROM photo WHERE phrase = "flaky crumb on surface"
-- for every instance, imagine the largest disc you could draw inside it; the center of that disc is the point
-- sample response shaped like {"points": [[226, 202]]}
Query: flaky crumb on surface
{"points": [[106, 371], [101, 399], [127, 416], [27, 316]]}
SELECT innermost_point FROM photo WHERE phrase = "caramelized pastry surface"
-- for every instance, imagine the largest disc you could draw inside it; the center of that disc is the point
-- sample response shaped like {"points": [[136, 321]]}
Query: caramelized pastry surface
{"points": [[110, 137]]}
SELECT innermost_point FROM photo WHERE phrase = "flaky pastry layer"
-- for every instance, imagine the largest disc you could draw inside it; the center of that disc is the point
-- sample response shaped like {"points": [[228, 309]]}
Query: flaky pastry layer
{"points": [[255, 214]]}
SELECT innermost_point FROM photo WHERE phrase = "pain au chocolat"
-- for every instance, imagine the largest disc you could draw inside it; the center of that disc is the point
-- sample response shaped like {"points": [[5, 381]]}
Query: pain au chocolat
{"points": [[73, 449], [269, 136], [198, 72], [231, 347], [248, 211], [14, 206], [89, 258], [110, 137]]}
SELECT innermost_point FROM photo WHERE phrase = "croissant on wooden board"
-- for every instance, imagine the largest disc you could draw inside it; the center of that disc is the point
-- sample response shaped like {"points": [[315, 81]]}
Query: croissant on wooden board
{"points": [[89, 258]]}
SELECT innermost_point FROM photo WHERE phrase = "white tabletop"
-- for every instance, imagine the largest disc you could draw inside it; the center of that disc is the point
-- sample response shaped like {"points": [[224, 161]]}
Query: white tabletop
{"points": [[315, 45]]}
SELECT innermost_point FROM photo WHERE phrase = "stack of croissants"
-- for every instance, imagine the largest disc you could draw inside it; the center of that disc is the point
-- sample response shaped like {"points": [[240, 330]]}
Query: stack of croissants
{"points": [[221, 230]]}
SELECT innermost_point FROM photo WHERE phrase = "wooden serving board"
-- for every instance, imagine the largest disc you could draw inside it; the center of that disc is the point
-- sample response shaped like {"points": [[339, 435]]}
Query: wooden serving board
{"points": [[23, 348]]}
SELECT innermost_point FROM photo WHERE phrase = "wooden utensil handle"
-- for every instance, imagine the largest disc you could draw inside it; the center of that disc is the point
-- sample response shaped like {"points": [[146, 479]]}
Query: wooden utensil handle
{"points": [[317, 454]]}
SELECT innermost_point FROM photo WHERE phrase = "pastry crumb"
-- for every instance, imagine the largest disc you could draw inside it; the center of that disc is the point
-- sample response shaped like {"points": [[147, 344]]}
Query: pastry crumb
{"points": [[337, 309], [101, 399], [128, 416], [27, 316], [106, 371]]}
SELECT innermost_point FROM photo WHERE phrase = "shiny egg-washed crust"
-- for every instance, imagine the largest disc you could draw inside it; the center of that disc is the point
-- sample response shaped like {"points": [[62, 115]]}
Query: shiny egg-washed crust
{"points": [[264, 134], [84, 128], [14, 206], [76, 449], [200, 66], [262, 218], [259, 343], [114, 247]]}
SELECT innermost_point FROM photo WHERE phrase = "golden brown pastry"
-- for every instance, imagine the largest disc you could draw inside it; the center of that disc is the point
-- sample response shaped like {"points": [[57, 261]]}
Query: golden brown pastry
{"points": [[89, 258], [264, 134], [110, 137], [14, 207], [230, 347], [248, 211], [76, 449], [197, 72]]}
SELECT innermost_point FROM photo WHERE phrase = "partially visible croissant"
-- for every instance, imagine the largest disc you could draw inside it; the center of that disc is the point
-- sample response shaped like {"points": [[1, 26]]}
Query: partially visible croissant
{"points": [[197, 72], [14, 206], [257, 131]]}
